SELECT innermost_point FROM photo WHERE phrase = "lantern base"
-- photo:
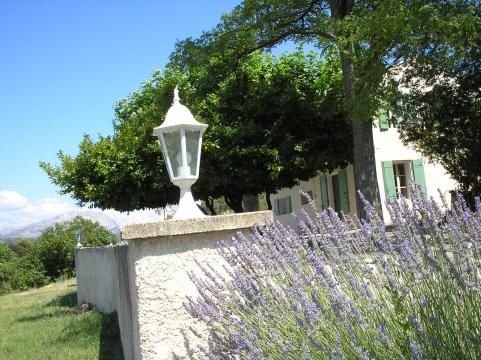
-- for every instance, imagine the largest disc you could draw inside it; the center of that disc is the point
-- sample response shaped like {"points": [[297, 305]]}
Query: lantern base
{"points": [[187, 209]]}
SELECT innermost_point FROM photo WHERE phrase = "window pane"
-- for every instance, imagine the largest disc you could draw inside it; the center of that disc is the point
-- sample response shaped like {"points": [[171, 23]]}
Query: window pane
{"points": [[172, 143], [396, 181], [402, 181], [192, 144], [401, 169], [284, 205]]}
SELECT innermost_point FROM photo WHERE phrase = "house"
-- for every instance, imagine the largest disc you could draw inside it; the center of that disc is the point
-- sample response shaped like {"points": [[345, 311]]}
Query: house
{"points": [[396, 164]]}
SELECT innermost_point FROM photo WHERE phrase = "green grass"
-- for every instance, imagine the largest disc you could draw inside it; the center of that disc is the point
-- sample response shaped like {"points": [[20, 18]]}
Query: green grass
{"points": [[45, 324]]}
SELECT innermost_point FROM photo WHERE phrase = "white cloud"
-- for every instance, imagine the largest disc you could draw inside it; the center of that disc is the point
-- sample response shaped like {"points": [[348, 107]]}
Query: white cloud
{"points": [[11, 200], [16, 210]]}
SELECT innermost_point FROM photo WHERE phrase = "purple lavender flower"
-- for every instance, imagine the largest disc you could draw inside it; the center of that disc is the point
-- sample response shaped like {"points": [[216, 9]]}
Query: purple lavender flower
{"points": [[415, 350], [382, 335], [337, 285]]}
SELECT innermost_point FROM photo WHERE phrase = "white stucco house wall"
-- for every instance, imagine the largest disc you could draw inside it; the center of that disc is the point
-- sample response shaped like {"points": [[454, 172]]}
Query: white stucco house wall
{"points": [[396, 165]]}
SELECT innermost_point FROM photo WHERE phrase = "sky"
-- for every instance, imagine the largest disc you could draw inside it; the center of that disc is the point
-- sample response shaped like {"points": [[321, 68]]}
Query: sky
{"points": [[63, 65]]}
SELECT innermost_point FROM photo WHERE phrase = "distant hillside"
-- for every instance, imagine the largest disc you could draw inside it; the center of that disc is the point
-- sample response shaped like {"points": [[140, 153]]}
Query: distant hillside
{"points": [[34, 230]]}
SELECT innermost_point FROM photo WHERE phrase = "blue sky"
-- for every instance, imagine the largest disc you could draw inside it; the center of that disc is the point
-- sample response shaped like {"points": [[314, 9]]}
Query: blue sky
{"points": [[63, 65]]}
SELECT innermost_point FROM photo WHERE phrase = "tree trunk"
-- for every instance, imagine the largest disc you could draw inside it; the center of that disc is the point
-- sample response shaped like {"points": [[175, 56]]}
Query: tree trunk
{"points": [[210, 205], [235, 203], [268, 200], [364, 162]]}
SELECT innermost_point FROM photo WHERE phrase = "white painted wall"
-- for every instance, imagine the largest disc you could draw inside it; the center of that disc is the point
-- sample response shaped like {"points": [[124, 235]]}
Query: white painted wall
{"points": [[164, 328], [314, 186], [147, 281], [311, 185], [96, 272], [388, 146], [160, 257], [103, 280]]}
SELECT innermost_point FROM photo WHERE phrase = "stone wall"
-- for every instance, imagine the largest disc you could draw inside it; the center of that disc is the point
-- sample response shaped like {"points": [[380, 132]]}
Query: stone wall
{"points": [[96, 270], [147, 281], [103, 281]]}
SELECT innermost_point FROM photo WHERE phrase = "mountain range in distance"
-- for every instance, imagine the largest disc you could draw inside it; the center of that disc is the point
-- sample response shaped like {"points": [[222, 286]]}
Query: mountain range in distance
{"points": [[34, 230]]}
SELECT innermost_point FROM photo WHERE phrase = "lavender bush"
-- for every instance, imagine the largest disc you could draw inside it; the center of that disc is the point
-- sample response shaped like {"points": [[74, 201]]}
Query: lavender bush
{"points": [[344, 289]]}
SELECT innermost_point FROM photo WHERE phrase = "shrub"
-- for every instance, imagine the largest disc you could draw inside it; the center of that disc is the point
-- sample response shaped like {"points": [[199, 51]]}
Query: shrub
{"points": [[92, 233], [7, 273], [21, 274], [6, 254], [55, 250], [55, 246], [29, 273], [348, 289], [21, 247], [50, 257]]}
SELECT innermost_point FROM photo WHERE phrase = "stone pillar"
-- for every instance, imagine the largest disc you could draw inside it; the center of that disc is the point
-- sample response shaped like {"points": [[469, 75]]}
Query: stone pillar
{"points": [[159, 256]]}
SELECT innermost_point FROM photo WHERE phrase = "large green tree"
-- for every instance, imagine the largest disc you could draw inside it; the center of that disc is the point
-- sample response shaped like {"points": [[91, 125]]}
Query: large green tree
{"points": [[272, 122], [369, 38], [441, 114], [270, 128]]}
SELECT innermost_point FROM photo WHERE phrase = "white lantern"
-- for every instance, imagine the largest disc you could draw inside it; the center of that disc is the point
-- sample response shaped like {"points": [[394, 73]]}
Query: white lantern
{"points": [[181, 139]]}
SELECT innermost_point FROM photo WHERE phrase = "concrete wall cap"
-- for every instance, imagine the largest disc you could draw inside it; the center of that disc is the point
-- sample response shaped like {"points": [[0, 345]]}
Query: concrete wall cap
{"points": [[194, 226]]}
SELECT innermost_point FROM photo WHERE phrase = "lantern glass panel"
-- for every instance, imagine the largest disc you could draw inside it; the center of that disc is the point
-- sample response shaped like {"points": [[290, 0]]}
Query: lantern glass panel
{"points": [[174, 153], [192, 138]]}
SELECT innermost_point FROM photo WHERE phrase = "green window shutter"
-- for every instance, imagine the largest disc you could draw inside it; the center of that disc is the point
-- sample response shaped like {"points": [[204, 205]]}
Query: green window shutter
{"points": [[289, 205], [343, 190], [388, 175], [276, 206], [383, 116], [418, 172], [324, 192]]}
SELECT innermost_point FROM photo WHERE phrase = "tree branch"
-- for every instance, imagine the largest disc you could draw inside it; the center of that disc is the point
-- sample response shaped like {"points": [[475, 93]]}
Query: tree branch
{"points": [[272, 41]]}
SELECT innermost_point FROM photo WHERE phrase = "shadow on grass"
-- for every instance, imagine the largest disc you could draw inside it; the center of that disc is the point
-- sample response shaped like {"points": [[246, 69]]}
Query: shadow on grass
{"points": [[67, 300], [66, 305], [102, 326], [110, 346]]}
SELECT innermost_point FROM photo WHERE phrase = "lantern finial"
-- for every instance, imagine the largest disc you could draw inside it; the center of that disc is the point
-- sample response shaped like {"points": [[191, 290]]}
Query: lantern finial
{"points": [[176, 95]]}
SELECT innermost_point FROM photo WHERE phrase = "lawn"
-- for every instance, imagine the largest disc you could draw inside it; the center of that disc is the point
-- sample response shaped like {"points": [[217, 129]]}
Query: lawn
{"points": [[45, 324]]}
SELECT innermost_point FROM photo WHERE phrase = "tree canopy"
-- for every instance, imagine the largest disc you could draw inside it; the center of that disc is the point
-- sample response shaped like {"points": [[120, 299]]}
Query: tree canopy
{"points": [[54, 248], [368, 37], [441, 114], [272, 122], [271, 128], [6, 254]]}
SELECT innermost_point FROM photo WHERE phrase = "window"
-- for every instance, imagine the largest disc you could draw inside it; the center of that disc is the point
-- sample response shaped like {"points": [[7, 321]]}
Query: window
{"points": [[282, 206], [304, 200], [383, 118], [397, 176], [340, 192], [400, 179]]}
